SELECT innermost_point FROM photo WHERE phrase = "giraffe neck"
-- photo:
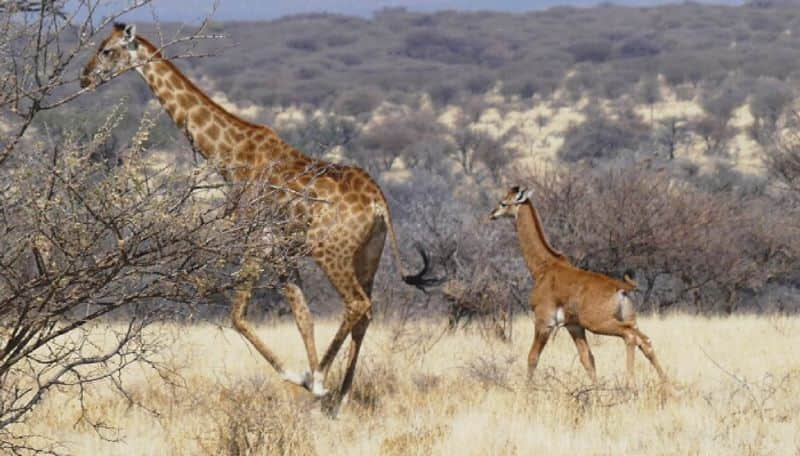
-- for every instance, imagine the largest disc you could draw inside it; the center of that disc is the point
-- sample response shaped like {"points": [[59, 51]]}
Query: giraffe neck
{"points": [[214, 133], [536, 249]]}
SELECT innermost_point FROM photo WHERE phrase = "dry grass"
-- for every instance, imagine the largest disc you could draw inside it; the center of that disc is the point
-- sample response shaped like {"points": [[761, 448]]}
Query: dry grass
{"points": [[419, 393]]}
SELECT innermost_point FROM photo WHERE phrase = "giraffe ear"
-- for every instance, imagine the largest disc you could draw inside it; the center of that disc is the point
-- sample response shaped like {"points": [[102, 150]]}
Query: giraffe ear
{"points": [[129, 38], [129, 33]]}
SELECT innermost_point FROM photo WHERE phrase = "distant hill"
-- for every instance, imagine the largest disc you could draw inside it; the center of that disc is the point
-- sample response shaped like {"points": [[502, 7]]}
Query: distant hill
{"points": [[237, 10], [702, 63]]}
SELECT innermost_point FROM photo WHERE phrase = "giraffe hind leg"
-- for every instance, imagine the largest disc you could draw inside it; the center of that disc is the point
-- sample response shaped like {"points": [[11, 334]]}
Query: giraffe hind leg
{"points": [[366, 264], [357, 305]]}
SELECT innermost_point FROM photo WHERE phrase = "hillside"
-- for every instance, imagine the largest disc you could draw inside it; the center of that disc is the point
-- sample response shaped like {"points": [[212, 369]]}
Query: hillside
{"points": [[721, 72], [447, 108]]}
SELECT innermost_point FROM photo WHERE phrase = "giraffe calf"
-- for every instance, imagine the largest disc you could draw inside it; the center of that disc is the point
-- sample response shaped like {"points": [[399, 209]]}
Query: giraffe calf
{"points": [[565, 295]]}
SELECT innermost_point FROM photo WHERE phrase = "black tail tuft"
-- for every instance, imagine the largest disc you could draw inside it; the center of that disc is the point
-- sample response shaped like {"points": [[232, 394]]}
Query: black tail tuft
{"points": [[419, 280]]}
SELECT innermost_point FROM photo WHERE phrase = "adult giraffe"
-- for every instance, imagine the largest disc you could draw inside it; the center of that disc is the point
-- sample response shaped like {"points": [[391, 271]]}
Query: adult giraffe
{"points": [[345, 218]]}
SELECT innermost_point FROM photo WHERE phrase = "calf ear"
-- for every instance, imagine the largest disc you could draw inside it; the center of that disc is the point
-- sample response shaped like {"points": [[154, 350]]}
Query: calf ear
{"points": [[522, 195], [528, 194]]}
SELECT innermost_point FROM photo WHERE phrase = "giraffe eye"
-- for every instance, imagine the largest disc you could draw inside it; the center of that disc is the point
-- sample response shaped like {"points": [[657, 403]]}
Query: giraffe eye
{"points": [[503, 204], [106, 52]]}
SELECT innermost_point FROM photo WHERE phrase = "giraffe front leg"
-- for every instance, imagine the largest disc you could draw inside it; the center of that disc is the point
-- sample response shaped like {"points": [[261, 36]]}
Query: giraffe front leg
{"points": [[312, 379], [241, 301]]}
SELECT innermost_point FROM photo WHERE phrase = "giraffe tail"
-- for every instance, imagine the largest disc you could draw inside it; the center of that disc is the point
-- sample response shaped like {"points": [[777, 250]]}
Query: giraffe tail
{"points": [[420, 279]]}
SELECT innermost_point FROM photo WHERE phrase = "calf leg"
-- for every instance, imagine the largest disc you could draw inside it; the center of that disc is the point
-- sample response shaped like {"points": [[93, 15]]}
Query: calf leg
{"points": [[584, 352], [630, 351], [540, 338], [647, 349], [633, 338]]}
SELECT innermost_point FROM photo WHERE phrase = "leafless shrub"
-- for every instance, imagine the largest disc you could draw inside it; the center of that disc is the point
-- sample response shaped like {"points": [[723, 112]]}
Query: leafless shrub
{"points": [[79, 245], [783, 157], [307, 44], [670, 134], [321, 134], [444, 93], [250, 422], [418, 440], [91, 254], [581, 395], [478, 153], [767, 103], [649, 92], [601, 138], [379, 381], [754, 397], [490, 372], [484, 296], [358, 102], [336, 40], [481, 285], [590, 50], [414, 137], [715, 134]]}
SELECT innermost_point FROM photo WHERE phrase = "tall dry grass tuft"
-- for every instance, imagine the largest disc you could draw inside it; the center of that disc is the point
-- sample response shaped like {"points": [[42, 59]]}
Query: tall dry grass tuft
{"points": [[247, 420], [424, 390]]}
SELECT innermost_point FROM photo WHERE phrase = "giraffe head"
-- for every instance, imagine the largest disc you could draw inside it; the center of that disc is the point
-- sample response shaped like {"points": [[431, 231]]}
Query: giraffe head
{"points": [[115, 55], [508, 206]]}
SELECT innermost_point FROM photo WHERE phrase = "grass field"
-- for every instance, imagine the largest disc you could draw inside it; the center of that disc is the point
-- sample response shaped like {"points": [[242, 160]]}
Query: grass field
{"points": [[421, 391]]}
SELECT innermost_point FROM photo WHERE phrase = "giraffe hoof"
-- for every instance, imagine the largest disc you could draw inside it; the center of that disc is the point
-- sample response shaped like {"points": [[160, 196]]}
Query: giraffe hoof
{"points": [[333, 405], [293, 377], [320, 392], [314, 384]]}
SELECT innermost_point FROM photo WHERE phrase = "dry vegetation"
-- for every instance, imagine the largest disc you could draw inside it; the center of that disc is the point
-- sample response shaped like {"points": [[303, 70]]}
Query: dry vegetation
{"points": [[421, 392], [646, 151]]}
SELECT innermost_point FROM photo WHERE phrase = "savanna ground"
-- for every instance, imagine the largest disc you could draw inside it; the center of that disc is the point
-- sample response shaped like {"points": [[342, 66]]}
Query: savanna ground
{"points": [[421, 390]]}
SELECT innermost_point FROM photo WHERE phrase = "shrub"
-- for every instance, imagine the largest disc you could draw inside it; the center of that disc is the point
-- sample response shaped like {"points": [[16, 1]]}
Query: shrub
{"points": [[640, 46], [444, 93], [594, 51], [349, 59], [769, 98], [601, 138], [306, 44], [358, 102], [479, 83], [337, 40]]}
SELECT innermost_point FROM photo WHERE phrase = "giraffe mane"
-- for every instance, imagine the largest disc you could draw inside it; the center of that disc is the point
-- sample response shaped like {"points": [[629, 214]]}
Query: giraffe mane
{"points": [[159, 57]]}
